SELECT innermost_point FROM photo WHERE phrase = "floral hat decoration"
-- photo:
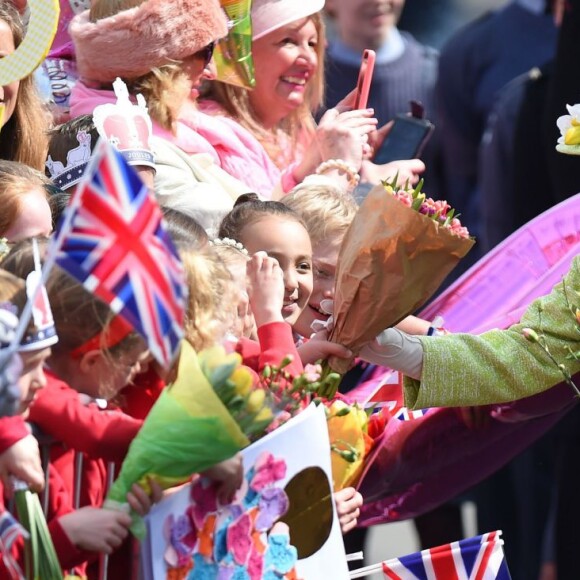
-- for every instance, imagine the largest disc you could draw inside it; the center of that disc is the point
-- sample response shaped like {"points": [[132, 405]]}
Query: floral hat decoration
{"points": [[569, 125]]}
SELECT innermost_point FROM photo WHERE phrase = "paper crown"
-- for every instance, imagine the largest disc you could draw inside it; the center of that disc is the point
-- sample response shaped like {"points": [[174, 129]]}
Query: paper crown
{"points": [[126, 126], [42, 332], [569, 125], [66, 176]]}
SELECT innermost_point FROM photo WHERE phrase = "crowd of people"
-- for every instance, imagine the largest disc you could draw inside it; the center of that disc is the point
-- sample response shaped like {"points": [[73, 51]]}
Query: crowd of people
{"points": [[258, 187]]}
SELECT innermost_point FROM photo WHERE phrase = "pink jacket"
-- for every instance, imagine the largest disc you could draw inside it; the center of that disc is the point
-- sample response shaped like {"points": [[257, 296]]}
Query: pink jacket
{"points": [[231, 147]]}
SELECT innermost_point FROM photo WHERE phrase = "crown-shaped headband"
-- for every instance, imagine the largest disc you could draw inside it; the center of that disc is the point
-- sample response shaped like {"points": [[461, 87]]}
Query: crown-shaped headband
{"points": [[126, 126], [43, 333], [66, 176]]}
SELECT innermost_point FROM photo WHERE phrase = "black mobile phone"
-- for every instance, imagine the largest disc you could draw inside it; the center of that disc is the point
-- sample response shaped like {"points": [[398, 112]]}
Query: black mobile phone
{"points": [[406, 139]]}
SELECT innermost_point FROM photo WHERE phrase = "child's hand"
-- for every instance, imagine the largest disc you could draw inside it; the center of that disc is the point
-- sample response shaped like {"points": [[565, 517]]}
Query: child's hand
{"points": [[348, 502], [22, 460], [96, 529], [318, 348], [229, 474], [265, 288], [140, 501]]}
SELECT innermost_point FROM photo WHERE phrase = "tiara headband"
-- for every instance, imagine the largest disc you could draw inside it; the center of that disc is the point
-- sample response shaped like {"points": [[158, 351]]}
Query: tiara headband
{"points": [[133, 42], [229, 243]]}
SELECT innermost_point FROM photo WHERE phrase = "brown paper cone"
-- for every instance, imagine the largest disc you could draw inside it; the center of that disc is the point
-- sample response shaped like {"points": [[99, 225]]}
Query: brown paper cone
{"points": [[392, 259]]}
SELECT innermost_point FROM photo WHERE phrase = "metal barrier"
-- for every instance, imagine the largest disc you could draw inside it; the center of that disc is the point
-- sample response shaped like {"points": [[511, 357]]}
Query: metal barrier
{"points": [[45, 442]]}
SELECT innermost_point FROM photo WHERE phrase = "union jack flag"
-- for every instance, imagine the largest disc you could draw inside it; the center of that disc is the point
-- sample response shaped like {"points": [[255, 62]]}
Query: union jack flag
{"points": [[112, 240], [10, 531], [477, 558], [406, 414]]}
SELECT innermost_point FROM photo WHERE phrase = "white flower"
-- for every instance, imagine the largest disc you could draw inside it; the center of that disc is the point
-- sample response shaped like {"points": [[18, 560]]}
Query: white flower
{"points": [[569, 126]]}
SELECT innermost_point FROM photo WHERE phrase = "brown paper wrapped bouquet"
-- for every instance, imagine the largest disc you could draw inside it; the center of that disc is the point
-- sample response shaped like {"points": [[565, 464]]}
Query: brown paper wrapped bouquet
{"points": [[396, 253]]}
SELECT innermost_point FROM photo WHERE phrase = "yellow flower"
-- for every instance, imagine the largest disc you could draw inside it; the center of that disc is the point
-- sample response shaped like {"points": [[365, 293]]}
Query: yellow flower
{"points": [[256, 400], [214, 357], [242, 380], [347, 433], [264, 414], [572, 136]]}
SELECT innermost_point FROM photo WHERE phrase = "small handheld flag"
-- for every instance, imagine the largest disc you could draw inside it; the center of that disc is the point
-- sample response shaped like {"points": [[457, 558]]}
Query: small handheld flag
{"points": [[112, 240]]}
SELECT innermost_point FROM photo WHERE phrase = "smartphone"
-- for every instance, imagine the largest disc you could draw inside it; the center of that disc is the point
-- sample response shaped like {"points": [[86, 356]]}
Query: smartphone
{"points": [[365, 76], [406, 139]]}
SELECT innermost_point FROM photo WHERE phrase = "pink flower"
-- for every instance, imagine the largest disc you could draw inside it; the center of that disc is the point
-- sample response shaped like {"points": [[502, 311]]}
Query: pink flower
{"points": [[441, 206], [404, 197], [312, 372], [268, 471]]}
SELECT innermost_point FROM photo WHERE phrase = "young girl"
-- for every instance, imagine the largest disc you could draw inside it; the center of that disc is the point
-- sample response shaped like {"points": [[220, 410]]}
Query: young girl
{"points": [[272, 227], [235, 257], [75, 534]]}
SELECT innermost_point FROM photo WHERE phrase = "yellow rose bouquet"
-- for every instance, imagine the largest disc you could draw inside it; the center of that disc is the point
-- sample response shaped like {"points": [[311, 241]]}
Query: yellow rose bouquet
{"points": [[206, 416]]}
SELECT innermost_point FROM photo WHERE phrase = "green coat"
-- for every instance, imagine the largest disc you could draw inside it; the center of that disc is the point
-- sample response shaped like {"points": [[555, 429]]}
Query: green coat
{"points": [[501, 365]]}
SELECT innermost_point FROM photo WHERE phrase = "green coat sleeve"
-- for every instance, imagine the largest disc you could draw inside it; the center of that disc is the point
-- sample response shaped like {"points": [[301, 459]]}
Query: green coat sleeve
{"points": [[501, 365]]}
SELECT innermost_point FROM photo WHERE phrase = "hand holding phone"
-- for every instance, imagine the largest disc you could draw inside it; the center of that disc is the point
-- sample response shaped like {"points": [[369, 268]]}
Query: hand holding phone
{"points": [[365, 76], [407, 137]]}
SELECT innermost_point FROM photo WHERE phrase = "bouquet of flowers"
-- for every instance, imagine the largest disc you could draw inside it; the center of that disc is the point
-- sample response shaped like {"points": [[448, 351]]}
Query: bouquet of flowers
{"points": [[397, 251], [205, 417], [351, 432]]}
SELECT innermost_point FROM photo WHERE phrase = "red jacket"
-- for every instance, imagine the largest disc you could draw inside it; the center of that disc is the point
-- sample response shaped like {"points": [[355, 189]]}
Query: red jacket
{"points": [[100, 437], [59, 504], [12, 429], [275, 342]]}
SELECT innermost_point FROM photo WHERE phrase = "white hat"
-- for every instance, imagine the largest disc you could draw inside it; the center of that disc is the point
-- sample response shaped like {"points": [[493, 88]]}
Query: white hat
{"points": [[269, 15]]}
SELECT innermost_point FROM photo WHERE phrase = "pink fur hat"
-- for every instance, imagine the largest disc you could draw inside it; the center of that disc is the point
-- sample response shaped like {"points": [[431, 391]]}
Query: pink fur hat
{"points": [[132, 42]]}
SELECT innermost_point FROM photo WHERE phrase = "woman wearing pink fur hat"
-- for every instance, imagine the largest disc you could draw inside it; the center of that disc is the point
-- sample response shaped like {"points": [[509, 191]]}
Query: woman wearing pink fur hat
{"points": [[161, 49]]}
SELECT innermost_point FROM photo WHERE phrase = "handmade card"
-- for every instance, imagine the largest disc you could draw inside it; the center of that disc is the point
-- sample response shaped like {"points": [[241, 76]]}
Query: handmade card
{"points": [[281, 524]]}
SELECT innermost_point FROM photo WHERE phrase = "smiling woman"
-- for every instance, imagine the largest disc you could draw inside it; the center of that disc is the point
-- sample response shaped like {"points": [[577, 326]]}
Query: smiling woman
{"points": [[288, 52]]}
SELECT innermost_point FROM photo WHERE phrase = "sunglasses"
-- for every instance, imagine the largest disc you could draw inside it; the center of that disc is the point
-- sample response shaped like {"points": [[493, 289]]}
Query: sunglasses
{"points": [[206, 53]]}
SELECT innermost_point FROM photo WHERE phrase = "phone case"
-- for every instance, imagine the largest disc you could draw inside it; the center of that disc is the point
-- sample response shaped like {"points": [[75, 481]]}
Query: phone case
{"points": [[406, 139], [365, 76]]}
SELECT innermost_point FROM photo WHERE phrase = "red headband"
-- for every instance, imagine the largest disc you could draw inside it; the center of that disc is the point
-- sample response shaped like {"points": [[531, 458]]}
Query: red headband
{"points": [[110, 336]]}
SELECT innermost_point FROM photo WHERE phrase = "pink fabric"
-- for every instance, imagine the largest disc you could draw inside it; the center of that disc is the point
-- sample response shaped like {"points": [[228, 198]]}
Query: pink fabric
{"points": [[419, 464], [240, 153], [526, 265], [231, 147], [62, 46]]}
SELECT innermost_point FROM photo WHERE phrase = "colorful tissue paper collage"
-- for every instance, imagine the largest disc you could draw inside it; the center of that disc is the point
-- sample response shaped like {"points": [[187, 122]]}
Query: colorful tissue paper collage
{"points": [[281, 525]]}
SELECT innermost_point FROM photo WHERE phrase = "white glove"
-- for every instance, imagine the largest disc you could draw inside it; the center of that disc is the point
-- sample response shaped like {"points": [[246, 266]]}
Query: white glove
{"points": [[396, 350]]}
